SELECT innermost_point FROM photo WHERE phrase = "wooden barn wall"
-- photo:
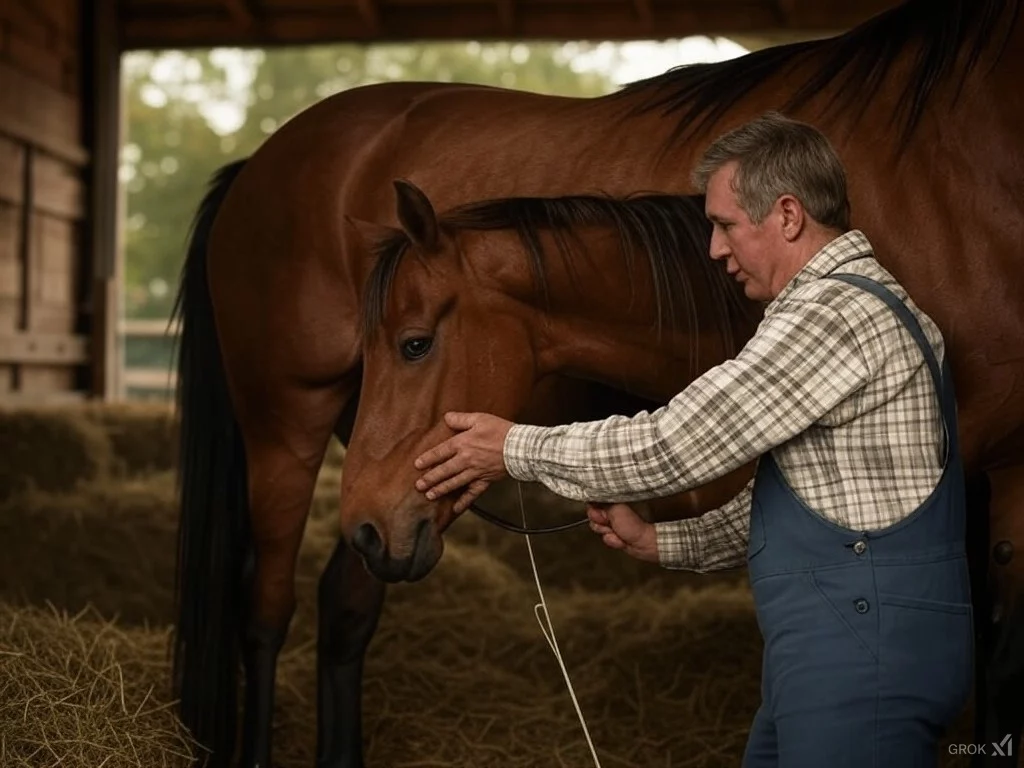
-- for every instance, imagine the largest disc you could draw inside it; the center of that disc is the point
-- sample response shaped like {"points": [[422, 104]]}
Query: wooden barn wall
{"points": [[43, 167]]}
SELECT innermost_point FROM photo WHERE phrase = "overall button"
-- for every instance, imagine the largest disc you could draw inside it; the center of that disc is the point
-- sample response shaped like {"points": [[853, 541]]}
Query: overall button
{"points": [[860, 605], [860, 547]]}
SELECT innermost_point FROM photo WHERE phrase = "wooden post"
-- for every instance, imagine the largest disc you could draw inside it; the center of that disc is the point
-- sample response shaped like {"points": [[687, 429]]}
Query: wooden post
{"points": [[25, 257], [102, 83]]}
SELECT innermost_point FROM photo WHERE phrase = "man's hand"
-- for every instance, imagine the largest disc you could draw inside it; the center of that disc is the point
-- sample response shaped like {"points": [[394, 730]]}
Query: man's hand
{"points": [[474, 457], [621, 528]]}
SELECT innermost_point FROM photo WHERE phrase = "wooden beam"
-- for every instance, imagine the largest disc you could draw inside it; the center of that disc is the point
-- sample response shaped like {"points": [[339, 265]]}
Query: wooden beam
{"points": [[103, 127], [47, 11], [644, 12], [26, 241], [786, 10], [507, 16], [140, 326], [28, 235], [27, 20], [370, 13], [33, 399], [12, 171], [43, 349], [552, 21], [816, 15], [150, 378], [241, 11], [57, 187], [40, 115]]}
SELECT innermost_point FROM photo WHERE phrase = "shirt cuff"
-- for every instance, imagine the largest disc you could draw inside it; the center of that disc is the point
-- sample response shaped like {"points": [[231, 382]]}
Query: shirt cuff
{"points": [[522, 443], [679, 544]]}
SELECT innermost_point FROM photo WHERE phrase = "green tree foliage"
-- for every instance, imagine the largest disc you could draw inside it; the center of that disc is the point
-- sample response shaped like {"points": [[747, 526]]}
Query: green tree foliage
{"points": [[189, 112]]}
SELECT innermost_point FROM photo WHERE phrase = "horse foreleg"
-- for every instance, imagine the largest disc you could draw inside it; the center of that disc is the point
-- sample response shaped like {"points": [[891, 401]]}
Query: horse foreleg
{"points": [[285, 442], [350, 603], [1000, 678]]}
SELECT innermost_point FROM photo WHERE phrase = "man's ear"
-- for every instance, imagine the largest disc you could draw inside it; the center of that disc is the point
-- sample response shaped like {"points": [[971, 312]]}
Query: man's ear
{"points": [[370, 233], [794, 218]]}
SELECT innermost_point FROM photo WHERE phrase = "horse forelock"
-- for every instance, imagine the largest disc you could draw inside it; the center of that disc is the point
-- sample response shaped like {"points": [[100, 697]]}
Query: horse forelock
{"points": [[855, 63], [388, 254], [670, 231]]}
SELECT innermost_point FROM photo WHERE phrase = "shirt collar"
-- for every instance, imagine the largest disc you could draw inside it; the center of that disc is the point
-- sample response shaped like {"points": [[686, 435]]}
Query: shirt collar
{"points": [[845, 248]]}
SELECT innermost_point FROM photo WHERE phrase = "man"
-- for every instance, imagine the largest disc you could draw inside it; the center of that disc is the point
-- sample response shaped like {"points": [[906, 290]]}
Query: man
{"points": [[852, 528]]}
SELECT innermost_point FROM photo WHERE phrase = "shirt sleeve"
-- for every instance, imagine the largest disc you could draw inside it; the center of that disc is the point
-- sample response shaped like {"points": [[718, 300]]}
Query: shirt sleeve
{"points": [[717, 540], [803, 361]]}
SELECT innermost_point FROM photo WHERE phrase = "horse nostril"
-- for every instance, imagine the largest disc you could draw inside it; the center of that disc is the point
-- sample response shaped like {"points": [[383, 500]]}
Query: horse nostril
{"points": [[367, 541]]}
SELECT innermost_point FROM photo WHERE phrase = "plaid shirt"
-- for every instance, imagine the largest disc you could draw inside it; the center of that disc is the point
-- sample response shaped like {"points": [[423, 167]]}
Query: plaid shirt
{"points": [[831, 383]]}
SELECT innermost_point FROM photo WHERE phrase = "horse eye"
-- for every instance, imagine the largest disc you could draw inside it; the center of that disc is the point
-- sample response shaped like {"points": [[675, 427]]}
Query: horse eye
{"points": [[414, 349]]}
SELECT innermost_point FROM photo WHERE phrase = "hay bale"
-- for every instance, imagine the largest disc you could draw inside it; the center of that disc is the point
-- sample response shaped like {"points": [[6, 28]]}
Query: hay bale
{"points": [[143, 436], [459, 674], [109, 544], [50, 448], [82, 693], [665, 665]]}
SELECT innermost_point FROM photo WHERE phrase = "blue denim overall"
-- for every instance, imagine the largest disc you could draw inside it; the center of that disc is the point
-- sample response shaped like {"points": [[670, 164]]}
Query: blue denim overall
{"points": [[868, 639]]}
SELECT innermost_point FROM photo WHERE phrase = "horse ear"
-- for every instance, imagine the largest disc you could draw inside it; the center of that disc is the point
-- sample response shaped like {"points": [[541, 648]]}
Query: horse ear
{"points": [[416, 214]]}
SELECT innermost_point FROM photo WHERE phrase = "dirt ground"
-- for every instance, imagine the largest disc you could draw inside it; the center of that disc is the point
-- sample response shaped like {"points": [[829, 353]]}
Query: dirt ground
{"points": [[665, 665]]}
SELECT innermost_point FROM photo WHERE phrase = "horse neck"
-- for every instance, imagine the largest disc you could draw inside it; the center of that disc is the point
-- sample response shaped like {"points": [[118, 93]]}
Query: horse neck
{"points": [[600, 322], [628, 356]]}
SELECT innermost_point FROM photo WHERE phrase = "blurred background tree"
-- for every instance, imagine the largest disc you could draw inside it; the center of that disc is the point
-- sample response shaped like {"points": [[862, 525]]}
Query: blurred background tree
{"points": [[189, 112]]}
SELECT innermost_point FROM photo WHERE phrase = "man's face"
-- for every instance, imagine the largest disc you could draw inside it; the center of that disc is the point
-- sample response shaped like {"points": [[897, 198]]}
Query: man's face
{"points": [[751, 251]]}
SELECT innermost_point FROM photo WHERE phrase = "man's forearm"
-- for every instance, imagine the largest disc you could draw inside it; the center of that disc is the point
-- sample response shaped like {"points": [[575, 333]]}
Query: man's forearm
{"points": [[717, 540]]}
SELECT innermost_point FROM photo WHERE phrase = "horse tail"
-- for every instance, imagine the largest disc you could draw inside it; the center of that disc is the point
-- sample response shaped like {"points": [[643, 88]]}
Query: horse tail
{"points": [[213, 527]]}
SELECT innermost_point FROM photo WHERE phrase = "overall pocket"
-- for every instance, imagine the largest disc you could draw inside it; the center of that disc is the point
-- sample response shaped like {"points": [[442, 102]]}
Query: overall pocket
{"points": [[851, 612], [926, 651]]}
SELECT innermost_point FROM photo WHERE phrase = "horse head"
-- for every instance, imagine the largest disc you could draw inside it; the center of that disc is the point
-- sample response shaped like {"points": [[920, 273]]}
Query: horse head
{"points": [[473, 309]]}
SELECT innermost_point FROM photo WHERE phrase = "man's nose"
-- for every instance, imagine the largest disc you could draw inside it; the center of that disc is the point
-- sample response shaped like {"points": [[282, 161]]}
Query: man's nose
{"points": [[719, 248]]}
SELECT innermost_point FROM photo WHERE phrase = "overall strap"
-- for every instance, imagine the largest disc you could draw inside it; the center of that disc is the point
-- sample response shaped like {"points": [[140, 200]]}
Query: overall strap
{"points": [[943, 385]]}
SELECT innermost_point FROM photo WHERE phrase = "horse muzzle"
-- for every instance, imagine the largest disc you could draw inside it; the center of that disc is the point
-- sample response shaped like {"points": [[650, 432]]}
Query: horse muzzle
{"points": [[424, 551]]}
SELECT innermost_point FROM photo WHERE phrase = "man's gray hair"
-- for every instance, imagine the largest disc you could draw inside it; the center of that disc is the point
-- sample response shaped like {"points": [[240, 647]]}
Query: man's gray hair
{"points": [[775, 156]]}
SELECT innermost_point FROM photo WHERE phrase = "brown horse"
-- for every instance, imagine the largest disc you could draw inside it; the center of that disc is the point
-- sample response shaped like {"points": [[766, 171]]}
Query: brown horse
{"points": [[271, 304]]}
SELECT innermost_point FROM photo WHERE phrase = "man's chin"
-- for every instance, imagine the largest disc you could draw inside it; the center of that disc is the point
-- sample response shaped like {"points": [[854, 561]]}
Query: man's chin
{"points": [[751, 291]]}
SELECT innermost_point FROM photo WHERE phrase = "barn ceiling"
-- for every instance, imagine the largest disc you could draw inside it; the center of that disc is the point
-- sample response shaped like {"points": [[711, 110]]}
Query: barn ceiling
{"points": [[183, 23]]}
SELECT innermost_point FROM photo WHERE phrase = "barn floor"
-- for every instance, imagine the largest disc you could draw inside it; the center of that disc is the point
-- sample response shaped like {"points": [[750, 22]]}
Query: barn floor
{"points": [[665, 665]]}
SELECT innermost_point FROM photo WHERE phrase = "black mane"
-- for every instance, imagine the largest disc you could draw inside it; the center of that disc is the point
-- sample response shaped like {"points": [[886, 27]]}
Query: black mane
{"points": [[671, 231], [854, 62]]}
